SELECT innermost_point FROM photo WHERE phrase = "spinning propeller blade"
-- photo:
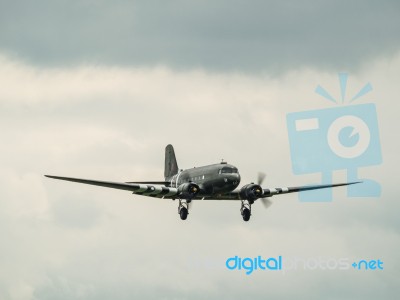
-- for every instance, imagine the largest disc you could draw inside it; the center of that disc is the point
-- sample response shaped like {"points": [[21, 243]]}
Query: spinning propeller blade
{"points": [[260, 179], [266, 202]]}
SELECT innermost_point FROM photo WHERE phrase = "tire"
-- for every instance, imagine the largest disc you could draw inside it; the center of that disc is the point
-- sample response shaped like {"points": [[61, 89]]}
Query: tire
{"points": [[183, 213], [246, 214]]}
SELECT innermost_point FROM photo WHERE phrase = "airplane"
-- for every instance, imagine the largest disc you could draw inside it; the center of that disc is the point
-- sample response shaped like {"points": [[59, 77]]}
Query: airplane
{"points": [[212, 182]]}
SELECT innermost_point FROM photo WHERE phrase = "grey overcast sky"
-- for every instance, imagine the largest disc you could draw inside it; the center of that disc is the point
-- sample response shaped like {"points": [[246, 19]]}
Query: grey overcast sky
{"points": [[215, 35], [97, 89]]}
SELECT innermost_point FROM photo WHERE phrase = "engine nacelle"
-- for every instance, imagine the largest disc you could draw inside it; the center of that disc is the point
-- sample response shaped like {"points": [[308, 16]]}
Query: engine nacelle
{"points": [[251, 192], [188, 190]]}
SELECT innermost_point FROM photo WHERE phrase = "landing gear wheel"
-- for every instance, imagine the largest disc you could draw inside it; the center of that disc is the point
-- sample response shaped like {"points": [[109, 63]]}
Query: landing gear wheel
{"points": [[183, 209], [246, 214], [245, 210], [183, 213]]}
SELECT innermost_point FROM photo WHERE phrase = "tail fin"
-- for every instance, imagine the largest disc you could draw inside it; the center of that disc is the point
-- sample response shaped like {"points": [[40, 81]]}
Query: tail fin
{"points": [[171, 166]]}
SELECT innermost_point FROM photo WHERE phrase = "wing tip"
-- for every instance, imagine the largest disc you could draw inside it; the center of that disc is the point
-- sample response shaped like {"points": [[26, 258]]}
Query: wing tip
{"points": [[354, 182], [53, 177]]}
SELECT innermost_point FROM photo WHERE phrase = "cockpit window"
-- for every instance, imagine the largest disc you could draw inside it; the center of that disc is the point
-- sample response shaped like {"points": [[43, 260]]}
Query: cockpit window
{"points": [[228, 170]]}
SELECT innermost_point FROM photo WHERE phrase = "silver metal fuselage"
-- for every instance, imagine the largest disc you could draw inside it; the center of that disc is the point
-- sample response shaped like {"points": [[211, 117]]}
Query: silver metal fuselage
{"points": [[212, 179]]}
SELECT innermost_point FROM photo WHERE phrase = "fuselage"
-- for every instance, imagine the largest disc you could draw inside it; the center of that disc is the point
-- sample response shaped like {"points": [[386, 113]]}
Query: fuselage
{"points": [[212, 179]]}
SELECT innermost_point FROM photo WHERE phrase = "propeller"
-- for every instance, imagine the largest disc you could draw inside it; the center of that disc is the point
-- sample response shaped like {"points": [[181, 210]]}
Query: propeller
{"points": [[266, 202], [260, 179], [194, 190]]}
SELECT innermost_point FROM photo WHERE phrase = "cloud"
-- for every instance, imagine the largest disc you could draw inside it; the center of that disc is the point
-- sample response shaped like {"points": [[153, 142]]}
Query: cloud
{"points": [[67, 240], [264, 36]]}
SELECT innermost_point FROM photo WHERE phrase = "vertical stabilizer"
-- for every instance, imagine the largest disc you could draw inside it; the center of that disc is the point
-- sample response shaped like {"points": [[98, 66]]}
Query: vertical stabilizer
{"points": [[171, 166]]}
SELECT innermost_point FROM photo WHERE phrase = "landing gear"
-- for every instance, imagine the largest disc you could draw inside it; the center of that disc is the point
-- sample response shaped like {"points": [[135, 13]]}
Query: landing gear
{"points": [[245, 210], [183, 213], [246, 214], [183, 209]]}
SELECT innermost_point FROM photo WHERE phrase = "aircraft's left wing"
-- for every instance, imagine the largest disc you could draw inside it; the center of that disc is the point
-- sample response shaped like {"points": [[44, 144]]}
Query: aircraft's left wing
{"points": [[136, 188], [276, 191], [269, 192]]}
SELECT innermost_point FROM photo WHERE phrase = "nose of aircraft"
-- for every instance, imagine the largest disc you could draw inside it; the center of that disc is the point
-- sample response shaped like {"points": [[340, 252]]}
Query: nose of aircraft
{"points": [[234, 178]]}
